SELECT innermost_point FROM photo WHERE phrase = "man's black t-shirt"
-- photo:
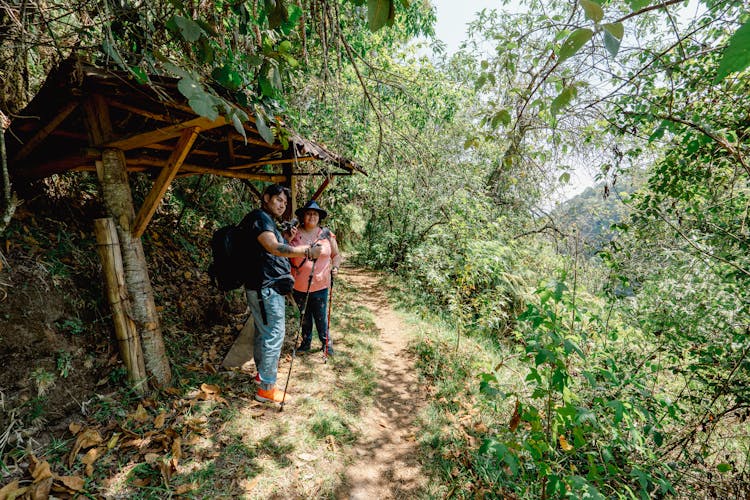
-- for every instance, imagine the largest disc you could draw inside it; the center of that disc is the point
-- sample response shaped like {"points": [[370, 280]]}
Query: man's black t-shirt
{"points": [[264, 268]]}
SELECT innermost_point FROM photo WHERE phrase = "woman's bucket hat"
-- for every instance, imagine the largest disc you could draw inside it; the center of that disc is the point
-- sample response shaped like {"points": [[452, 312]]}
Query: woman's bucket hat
{"points": [[311, 205]]}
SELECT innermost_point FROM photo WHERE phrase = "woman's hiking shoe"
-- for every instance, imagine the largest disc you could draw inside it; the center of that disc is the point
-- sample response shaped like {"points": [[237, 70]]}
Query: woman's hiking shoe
{"points": [[256, 378], [303, 348], [270, 396]]}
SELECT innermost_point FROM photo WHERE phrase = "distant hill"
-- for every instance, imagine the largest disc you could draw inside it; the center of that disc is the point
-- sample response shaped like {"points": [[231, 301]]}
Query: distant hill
{"points": [[593, 214]]}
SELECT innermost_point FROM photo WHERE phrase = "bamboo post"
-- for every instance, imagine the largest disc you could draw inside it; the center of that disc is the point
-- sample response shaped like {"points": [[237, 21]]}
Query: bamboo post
{"points": [[108, 246]]}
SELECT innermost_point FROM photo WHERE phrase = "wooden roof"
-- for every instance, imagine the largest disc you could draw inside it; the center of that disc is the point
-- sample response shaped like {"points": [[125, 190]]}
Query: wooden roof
{"points": [[152, 124]]}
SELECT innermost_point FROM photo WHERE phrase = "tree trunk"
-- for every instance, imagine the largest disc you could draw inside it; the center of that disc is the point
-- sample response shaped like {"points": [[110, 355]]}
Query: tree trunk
{"points": [[108, 246], [119, 204]]}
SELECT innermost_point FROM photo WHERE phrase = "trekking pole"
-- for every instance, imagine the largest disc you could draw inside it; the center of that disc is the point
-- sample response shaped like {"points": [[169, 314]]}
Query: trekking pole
{"points": [[301, 319], [328, 326]]}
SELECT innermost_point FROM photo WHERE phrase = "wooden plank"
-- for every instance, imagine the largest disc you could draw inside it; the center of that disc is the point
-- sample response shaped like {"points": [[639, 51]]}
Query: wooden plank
{"points": [[257, 142], [282, 161], [166, 147], [162, 182], [138, 111], [195, 169], [165, 133], [99, 126], [45, 131]]}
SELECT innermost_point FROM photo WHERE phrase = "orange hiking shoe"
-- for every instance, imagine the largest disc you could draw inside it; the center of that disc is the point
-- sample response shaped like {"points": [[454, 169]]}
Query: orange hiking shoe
{"points": [[270, 396]]}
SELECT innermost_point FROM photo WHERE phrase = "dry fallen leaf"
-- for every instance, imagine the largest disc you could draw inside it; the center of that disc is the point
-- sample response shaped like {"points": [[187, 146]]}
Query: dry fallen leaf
{"points": [[250, 485], [141, 482], [176, 451], [166, 470], [40, 471], [113, 441], [89, 458], [159, 420], [516, 418], [75, 428], [73, 483], [564, 444], [40, 490], [184, 488], [11, 490], [140, 415]]}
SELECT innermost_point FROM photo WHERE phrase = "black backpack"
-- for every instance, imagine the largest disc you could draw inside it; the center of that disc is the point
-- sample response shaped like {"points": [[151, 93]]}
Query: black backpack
{"points": [[227, 271]]}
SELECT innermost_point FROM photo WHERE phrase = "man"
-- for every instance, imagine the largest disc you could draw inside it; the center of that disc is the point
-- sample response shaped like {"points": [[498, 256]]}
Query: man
{"points": [[269, 280]]}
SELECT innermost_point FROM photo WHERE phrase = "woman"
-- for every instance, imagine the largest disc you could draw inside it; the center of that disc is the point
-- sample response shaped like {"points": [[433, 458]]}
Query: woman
{"points": [[312, 279]]}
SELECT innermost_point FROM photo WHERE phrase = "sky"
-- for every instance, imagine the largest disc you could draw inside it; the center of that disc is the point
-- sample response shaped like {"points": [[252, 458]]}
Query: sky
{"points": [[454, 15]]}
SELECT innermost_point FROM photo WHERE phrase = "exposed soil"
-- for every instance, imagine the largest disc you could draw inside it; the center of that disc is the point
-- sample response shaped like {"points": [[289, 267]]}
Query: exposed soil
{"points": [[386, 463]]}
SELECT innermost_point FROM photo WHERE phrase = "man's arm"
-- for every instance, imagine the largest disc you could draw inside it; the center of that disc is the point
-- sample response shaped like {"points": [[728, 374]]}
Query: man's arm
{"points": [[268, 240]]}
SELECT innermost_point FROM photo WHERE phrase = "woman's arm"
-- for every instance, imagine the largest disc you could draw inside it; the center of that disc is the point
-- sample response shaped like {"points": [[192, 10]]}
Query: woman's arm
{"points": [[335, 255]]}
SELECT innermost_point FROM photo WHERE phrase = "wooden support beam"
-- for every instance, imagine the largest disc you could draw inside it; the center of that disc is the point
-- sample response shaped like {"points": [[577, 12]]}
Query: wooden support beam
{"points": [[162, 182], [167, 147], [281, 161], [322, 187], [165, 133], [108, 246], [44, 132], [257, 142], [230, 149], [236, 175], [138, 111], [291, 205]]}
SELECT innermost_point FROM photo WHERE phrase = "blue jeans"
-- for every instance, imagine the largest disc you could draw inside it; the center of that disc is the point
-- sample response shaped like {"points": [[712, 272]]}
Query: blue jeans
{"points": [[269, 332], [317, 307]]}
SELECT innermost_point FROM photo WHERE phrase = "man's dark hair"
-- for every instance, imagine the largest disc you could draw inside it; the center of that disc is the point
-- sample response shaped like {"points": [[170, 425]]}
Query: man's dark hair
{"points": [[276, 189]]}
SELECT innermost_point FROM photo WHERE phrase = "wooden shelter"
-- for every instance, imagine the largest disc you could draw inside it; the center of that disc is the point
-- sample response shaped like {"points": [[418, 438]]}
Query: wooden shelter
{"points": [[86, 118], [157, 131]]}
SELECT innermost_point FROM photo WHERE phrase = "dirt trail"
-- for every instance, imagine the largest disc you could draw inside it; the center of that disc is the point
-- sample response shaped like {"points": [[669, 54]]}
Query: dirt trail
{"points": [[385, 462]]}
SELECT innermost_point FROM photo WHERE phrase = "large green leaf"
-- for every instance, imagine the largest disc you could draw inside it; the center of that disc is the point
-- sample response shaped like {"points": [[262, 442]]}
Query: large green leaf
{"points": [[204, 104], [617, 30], [227, 77], [575, 41], [189, 87], [638, 4], [264, 130], [737, 54], [378, 13], [613, 34], [189, 29], [593, 10], [562, 100], [502, 116]]}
